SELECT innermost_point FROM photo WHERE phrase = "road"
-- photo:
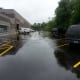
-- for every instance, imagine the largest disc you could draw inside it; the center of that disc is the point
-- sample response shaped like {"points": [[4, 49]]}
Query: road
{"points": [[40, 58]]}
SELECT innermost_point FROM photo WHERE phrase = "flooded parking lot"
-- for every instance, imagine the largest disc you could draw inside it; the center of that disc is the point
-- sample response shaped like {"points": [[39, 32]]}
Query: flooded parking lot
{"points": [[39, 57]]}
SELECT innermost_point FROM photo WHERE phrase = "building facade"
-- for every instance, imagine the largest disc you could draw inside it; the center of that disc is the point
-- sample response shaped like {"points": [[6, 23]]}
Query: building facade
{"points": [[10, 23], [15, 17]]}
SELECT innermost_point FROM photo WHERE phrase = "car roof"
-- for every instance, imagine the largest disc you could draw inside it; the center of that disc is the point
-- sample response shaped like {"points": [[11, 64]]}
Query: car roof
{"points": [[54, 29], [75, 26]]}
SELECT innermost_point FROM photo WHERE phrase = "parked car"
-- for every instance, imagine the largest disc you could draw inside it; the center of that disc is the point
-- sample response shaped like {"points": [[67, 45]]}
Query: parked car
{"points": [[25, 30], [32, 30], [58, 32], [73, 34], [54, 32]]}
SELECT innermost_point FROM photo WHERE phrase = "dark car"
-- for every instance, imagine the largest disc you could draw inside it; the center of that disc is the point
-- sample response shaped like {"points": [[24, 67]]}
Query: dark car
{"points": [[73, 34], [58, 32], [54, 32]]}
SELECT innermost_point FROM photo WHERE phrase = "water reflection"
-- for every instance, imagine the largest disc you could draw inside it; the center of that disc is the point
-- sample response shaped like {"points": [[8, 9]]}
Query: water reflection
{"points": [[35, 61], [17, 44], [67, 57]]}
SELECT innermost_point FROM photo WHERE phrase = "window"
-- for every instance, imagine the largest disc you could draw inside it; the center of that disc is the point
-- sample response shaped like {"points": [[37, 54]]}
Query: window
{"points": [[3, 28]]}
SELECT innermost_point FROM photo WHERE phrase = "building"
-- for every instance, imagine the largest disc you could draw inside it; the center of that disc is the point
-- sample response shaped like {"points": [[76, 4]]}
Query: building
{"points": [[15, 17], [10, 23]]}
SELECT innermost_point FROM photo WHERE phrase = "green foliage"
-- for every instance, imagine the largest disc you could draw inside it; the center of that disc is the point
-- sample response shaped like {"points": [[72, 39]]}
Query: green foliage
{"points": [[63, 14], [39, 26], [68, 13], [75, 19], [51, 24]]}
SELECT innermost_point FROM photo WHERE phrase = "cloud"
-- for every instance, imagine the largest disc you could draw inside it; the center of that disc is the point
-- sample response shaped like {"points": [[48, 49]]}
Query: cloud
{"points": [[32, 10]]}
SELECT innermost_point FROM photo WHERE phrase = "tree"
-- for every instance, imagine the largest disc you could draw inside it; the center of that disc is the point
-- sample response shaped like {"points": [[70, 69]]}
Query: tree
{"points": [[63, 14], [36, 26], [75, 19], [39, 26], [51, 24]]}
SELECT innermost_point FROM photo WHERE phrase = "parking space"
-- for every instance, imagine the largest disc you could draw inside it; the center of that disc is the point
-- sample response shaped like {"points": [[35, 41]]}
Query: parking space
{"points": [[68, 56], [40, 58], [7, 47]]}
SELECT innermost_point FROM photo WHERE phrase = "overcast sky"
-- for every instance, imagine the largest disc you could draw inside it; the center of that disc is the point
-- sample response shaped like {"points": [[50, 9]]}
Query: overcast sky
{"points": [[32, 10]]}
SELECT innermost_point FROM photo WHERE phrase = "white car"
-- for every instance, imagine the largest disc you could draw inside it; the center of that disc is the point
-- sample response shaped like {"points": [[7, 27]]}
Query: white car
{"points": [[24, 30]]}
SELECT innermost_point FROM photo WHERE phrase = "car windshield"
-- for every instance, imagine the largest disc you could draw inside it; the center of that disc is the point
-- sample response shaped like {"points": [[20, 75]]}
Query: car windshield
{"points": [[74, 30]]}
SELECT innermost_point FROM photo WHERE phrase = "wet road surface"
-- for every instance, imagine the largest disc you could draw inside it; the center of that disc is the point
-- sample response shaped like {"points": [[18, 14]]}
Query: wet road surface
{"points": [[40, 58]]}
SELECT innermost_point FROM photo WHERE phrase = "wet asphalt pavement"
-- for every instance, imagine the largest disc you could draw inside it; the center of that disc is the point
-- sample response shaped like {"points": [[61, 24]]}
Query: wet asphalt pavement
{"points": [[40, 58]]}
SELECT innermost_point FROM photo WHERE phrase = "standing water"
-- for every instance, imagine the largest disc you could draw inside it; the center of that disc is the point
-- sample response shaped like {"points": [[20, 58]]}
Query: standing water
{"points": [[37, 59]]}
